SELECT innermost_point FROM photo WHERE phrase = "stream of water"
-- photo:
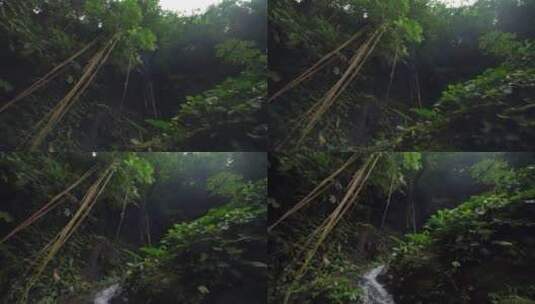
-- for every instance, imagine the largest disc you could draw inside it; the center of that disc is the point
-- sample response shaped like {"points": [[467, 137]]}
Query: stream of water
{"points": [[104, 296], [374, 292]]}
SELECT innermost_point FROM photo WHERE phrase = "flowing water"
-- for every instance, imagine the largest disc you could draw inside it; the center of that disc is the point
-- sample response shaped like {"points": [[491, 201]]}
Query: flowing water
{"points": [[374, 292], [104, 296]]}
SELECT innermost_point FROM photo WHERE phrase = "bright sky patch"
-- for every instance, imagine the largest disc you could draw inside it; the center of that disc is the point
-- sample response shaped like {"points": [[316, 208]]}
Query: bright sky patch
{"points": [[457, 3], [187, 6]]}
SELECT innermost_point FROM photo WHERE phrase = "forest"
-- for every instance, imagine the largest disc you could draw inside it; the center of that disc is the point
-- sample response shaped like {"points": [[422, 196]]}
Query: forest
{"points": [[402, 75], [133, 227], [127, 75], [402, 227]]}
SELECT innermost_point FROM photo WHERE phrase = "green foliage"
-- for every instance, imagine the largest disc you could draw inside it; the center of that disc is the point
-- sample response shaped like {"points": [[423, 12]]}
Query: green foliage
{"points": [[226, 110], [125, 17], [239, 192], [240, 52], [330, 277], [235, 100], [40, 172], [46, 175], [412, 161], [491, 86], [133, 175], [426, 114], [6, 217], [216, 220], [139, 169], [402, 30], [406, 32], [500, 44], [394, 169], [507, 47], [114, 15], [496, 103], [501, 100], [413, 245], [450, 221], [313, 166], [142, 38], [5, 86], [225, 184], [339, 290], [298, 28], [198, 257], [510, 299], [216, 249], [210, 46], [66, 278], [496, 172], [438, 44], [160, 124], [485, 234], [303, 32]]}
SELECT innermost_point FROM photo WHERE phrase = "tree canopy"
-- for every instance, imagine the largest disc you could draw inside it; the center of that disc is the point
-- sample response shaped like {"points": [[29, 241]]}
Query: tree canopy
{"points": [[402, 75], [127, 75]]}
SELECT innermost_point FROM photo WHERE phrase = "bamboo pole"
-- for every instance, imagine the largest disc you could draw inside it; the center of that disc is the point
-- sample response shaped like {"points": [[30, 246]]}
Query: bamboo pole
{"points": [[318, 66], [47, 77], [357, 62], [50, 250], [54, 202], [57, 113], [324, 185], [355, 187]]}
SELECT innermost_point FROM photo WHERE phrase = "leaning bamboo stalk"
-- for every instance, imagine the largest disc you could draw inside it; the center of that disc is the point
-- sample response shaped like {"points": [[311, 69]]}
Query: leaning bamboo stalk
{"points": [[47, 77], [356, 65], [355, 73], [48, 206], [88, 70], [301, 120], [358, 68], [57, 113], [394, 65], [355, 180], [387, 206], [355, 187], [319, 65], [125, 88], [87, 197], [94, 201], [320, 107], [57, 242], [324, 185], [93, 75], [123, 212], [359, 181], [87, 203]]}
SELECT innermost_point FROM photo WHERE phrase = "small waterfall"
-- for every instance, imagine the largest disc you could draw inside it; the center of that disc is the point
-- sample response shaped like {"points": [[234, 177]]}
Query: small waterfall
{"points": [[374, 292], [104, 296]]}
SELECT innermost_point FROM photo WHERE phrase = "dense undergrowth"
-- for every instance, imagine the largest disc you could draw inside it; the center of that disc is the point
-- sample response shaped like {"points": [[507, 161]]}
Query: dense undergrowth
{"points": [[440, 78], [352, 247], [496, 105], [127, 75], [334, 275], [199, 261], [478, 252], [452, 228], [193, 220]]}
